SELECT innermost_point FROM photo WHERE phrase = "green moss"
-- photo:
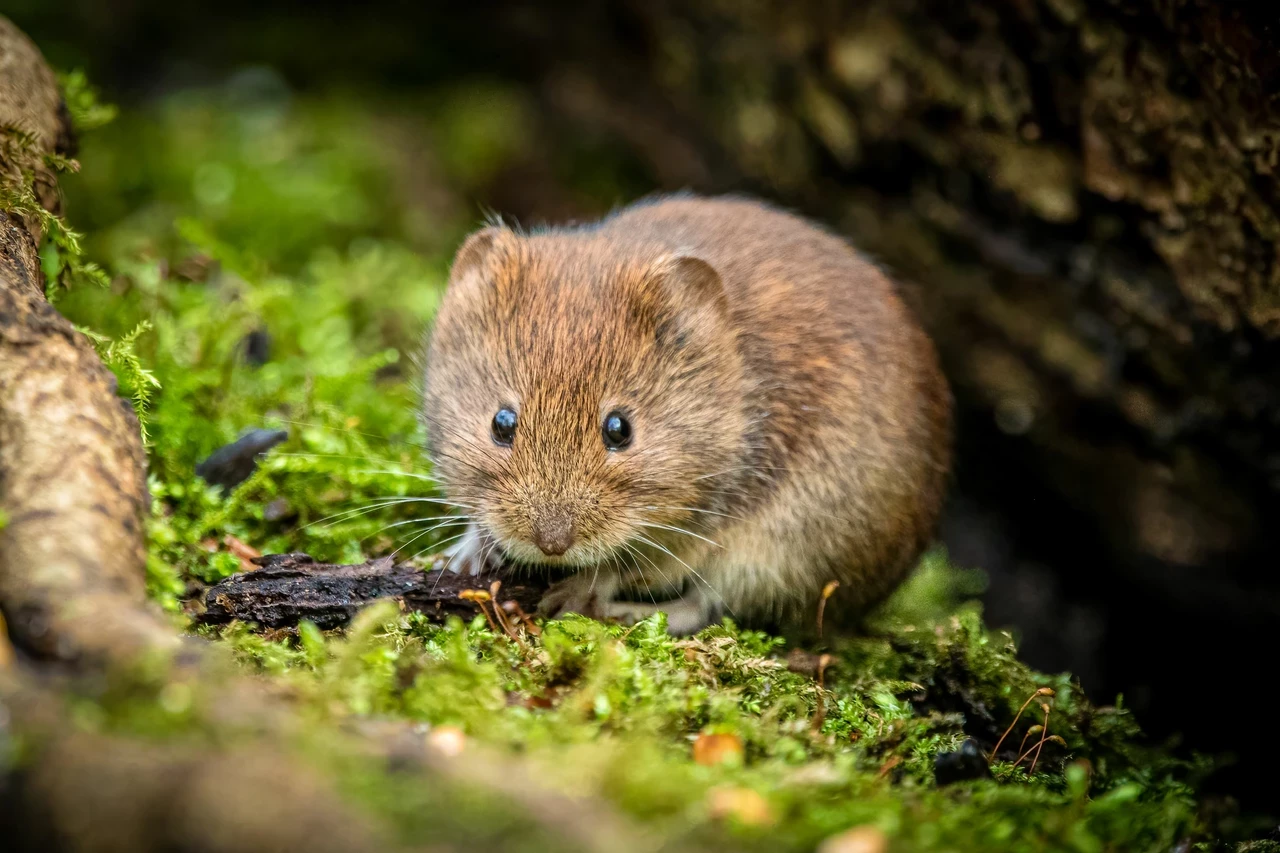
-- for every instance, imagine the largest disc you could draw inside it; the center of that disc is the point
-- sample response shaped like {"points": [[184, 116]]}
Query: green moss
{"points": [[61, 254], [614, 711], [225, 212], [84, 104]]}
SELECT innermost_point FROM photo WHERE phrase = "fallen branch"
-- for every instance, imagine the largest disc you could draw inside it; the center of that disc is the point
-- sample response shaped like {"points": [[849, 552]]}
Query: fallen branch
{"points": [[292, 587]]}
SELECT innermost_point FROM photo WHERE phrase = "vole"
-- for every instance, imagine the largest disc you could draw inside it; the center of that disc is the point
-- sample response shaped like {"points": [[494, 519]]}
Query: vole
{"points": [[695, 405]]}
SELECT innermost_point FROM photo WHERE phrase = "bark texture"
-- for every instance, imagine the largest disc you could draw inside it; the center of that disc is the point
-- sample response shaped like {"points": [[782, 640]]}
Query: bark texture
{"points": [[291, 587], [72, 472]]}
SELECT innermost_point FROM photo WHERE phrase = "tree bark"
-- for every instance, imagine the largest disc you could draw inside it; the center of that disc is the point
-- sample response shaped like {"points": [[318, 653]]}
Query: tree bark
{"points": [[291, 587]]}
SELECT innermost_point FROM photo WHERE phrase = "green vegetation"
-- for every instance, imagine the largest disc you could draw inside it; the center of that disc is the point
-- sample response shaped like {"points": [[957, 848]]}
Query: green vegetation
{"points": [[227, 212]]}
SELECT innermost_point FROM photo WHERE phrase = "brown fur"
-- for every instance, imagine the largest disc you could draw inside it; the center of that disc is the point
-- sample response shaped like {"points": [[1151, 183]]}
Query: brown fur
{"points": [[786, 406]]}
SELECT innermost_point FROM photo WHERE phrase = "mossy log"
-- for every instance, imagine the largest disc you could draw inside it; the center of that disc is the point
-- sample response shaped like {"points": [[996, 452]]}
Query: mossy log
{"points": [[76, 619], [1082, 198]]}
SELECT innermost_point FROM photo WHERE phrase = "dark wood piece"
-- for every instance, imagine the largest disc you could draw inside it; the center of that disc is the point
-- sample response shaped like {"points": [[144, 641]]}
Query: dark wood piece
{"points": [[292, 587]]}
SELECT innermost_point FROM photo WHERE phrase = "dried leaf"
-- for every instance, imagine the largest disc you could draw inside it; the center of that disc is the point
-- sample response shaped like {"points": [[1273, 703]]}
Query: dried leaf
{"points": [[860, 839], [742, 804], [449, 741], [711, 749]]}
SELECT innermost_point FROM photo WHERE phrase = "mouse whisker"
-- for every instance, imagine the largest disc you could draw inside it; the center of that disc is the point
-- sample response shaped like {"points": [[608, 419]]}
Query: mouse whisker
{"points": [[442, 431], [439, 544], [439, 573], [380, 504], [437, 456], [646, 540], [752, 468], [444, 521], [413, 475], [395, 467], [336, 429], [651, 525], [490, 547], [306, 454], [420, 535], [666, 579], [630, 551], [694, 509]]}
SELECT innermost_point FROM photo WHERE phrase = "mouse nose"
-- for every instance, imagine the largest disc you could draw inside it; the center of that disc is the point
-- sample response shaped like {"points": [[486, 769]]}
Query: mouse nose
{"points": [[553, 535]]}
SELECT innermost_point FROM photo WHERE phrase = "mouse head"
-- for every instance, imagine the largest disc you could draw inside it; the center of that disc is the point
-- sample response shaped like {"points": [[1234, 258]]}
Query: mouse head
{"points": [[582, 397]]}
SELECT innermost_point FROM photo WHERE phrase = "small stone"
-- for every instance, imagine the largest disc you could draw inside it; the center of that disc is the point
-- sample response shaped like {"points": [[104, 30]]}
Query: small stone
{"points": [[278, 510], [232, 464], [964, 764], [256, 347]]}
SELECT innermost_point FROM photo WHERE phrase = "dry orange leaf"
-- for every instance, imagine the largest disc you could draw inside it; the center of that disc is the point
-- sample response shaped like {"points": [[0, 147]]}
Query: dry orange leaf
{"points": [[449, 741], [711, 749], [894, 761], [860, 839], [245, 553], [741, 804]]}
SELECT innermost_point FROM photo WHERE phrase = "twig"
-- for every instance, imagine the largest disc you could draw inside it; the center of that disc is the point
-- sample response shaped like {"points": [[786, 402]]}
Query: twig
{"points": [[502, 616], [497, 611], [893, 762], [820, 714], [513, 606]]}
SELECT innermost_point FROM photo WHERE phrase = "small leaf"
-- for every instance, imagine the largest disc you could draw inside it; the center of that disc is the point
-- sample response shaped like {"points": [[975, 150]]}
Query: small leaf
{"points": [[711, 749]]}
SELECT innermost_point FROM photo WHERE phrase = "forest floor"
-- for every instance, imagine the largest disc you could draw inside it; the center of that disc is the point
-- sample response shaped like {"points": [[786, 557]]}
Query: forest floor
{"points": [[273, 262]]}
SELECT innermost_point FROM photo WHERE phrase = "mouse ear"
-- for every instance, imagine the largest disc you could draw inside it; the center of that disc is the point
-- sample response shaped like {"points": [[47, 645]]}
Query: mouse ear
{"points": [[690, 280], [477, 249]]}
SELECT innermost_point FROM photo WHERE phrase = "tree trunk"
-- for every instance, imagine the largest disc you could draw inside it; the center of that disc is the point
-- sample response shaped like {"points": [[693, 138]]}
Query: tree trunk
{"points": [[1080, 196]]}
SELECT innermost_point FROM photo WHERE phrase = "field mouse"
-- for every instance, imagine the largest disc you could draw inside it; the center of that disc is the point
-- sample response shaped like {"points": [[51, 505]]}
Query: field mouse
{"points": [[695, 405]]}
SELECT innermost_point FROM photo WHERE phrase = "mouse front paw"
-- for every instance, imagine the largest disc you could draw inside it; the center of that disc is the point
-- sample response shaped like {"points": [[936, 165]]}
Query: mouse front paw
{"points": [[473, 554], [586, 593], [685, 616]]}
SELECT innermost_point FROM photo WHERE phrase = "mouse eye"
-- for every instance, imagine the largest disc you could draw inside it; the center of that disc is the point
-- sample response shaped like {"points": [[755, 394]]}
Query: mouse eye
{"points": [[617, 431], [504, 426]]}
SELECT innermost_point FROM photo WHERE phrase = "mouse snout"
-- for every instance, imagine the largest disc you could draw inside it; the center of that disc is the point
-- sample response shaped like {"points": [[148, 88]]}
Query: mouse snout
{"points": [[553, 533]]}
